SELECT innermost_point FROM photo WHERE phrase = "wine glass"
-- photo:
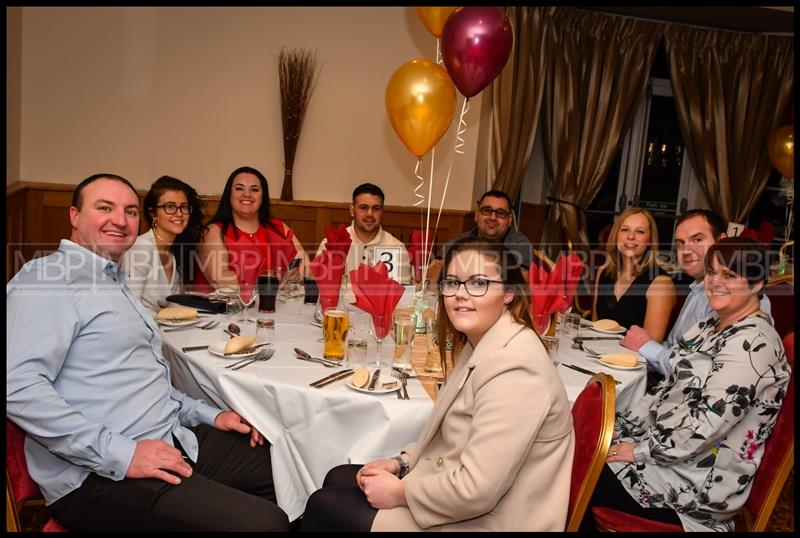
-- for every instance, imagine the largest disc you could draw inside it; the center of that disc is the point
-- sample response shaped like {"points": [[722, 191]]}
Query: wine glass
{"points": [[247, 296], [541, 323], [379, 330]]}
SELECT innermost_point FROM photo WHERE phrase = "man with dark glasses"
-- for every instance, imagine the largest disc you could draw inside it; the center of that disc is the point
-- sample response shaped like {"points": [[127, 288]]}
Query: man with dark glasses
{"points": [[493, 219]]}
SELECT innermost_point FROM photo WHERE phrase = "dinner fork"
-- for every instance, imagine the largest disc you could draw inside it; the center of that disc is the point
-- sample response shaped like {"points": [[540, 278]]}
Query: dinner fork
{"points": [[267, 356], [402, 392], [589, 351]]}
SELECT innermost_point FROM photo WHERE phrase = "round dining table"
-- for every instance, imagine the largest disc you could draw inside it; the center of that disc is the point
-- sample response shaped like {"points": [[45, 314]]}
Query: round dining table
{"points": [[311, 430]]}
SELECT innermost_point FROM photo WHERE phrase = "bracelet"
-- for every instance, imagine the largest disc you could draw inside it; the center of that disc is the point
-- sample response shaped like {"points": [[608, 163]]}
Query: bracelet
{"points": [[403, 466]]}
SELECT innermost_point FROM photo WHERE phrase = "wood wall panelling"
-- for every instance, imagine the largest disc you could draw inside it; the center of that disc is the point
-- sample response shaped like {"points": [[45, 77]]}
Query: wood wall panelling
{"points": [[37, 219]]}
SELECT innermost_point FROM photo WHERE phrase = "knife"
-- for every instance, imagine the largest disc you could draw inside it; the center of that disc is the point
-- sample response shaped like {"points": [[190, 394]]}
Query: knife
{"points": [[331, 378], [194, 348], [577, 338], [585, 371], [247, 350], [374, 381]]}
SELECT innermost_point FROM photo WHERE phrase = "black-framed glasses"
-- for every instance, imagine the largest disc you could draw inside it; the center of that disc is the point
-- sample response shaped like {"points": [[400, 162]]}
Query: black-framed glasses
{"points": [[475, 286], [487, 211], [170, 208]]}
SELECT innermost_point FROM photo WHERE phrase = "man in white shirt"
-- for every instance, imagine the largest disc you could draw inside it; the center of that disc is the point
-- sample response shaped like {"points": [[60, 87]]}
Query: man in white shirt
{"points": [[370, 242], [695, 232]]}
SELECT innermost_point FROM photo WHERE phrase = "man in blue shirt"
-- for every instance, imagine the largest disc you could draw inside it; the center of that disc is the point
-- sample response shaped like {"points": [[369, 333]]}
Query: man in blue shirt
{"points": [[110, 442], [695, 232]]}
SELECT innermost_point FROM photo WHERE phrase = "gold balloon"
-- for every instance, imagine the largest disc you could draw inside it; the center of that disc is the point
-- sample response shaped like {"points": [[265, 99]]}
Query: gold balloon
{"points": [[434, 18], [420, 101], [780, 148]]}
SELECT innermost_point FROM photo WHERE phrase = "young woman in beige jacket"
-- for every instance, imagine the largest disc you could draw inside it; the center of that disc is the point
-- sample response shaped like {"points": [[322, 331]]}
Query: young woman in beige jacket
{"points": [[497, 451]]}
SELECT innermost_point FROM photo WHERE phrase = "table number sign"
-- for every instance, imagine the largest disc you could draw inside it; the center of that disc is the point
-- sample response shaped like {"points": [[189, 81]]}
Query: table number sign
{"points": [[391, 258]]}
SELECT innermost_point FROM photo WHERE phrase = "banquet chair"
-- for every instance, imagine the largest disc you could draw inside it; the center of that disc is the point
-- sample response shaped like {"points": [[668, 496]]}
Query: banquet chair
{"points": [[21, 490], [768, 482], [593, 419], [781, 298]]}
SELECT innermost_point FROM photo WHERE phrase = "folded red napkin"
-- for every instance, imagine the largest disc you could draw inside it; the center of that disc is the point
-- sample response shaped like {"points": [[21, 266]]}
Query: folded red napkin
{"points": [[328, 267], [376, 293], [417, 251], [553, 291], [338, 239]]}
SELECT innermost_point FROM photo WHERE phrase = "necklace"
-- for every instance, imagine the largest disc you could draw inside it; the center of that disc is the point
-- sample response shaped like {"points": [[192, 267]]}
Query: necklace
{"points": [[158, 236], [251, 235]]}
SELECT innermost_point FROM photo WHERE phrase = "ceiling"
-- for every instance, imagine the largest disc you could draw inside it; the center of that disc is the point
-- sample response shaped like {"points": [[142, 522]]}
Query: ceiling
{"points": [[739, 18]]}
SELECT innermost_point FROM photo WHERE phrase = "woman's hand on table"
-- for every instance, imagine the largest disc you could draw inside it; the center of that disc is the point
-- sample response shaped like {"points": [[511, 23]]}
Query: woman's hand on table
{"points": [[621, 452], [381, 487], [228, 421]]}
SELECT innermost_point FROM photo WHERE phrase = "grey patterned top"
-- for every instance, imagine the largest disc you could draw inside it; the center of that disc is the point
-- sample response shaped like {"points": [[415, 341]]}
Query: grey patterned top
{"points": [[700, 436]]}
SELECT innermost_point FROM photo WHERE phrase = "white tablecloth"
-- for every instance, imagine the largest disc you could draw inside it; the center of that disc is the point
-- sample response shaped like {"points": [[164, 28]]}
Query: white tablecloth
{"points": [[632, 382], [313, 430]]}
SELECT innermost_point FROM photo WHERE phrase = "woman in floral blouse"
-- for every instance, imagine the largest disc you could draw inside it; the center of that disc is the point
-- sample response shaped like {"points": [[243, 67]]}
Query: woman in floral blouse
{"points": [[687, 453]]}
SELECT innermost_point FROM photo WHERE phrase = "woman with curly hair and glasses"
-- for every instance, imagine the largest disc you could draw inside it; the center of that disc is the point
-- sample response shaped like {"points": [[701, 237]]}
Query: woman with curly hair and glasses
{"points": [[160, 262]]}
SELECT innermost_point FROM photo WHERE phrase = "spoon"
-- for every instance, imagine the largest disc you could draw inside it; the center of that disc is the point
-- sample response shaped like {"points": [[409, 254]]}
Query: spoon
{"points": [[233, 330], [303, 355]]}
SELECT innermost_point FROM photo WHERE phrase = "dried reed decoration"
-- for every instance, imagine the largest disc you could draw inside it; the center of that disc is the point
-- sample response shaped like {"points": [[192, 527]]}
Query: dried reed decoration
{"points": [[298, 78]]}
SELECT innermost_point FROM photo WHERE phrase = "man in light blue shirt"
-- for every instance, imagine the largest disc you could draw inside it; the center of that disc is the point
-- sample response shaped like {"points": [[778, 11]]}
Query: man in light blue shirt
{"points": [[695, 232], [110, 442]]}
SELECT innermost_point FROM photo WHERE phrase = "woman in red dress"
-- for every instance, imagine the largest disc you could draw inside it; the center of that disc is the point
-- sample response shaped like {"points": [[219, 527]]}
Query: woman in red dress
{"points": [[242, 239]]}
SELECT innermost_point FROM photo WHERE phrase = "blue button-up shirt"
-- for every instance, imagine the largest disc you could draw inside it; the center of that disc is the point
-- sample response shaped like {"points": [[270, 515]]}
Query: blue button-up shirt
{"points": [[695, 309], [86, 377]]}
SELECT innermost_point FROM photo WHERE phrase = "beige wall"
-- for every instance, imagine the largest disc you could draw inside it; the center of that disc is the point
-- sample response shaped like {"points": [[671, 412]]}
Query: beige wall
{"points": [[193, 92]]}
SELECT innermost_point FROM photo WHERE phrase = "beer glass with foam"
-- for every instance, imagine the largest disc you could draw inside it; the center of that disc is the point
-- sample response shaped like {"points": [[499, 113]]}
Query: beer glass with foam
{"points": [[334, 330]]}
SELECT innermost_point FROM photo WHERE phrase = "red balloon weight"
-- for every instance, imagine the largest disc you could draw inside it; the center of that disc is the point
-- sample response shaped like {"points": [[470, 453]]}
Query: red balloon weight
{"points": [[476, 44]]}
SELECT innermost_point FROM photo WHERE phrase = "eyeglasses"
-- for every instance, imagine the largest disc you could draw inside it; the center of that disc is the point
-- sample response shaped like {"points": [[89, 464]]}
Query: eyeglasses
{"points": [[475, 286], [171, 208], [487, 211]]}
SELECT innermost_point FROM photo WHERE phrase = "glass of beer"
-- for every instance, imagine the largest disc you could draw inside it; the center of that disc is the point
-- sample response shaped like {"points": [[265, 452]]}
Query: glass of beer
{"points": [[268, 284], [334, 330]]}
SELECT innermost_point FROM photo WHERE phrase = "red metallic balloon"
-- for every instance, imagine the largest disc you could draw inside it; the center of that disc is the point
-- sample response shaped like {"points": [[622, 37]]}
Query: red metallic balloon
{"points": [[476, 44]]}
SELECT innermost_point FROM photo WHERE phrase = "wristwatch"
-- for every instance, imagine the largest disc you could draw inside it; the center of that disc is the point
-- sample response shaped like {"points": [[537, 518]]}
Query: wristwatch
{"points": [[403, 466]]}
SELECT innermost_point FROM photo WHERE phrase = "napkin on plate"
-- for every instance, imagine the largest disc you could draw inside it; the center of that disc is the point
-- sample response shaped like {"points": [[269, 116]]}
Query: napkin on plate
{"points": [[328, 267], [376, 293]]}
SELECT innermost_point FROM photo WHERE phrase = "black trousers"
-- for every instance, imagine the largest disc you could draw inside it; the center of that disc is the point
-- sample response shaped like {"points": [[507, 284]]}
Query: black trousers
{"points": [[230, 489], [339, 505], [610, 493]]}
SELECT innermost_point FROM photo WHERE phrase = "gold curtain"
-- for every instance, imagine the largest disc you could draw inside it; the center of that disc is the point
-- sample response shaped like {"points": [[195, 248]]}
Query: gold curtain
{"points": [[730, 92], [516, 97], [598, 76]]}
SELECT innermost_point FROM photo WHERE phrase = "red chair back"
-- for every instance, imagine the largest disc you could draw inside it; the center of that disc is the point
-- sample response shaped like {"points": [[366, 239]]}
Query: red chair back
{"points": [[768, 482], [781, 298], [20, 487], [593, 420], [23, 488], [778, 458]]}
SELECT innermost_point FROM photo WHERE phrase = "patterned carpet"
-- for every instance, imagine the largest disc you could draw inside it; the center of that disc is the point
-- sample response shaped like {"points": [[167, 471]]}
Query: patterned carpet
{"points": [[782, 520]]}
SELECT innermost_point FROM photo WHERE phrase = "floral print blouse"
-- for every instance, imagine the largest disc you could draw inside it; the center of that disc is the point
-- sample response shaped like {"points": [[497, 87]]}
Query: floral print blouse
{"points": [[700, 436]]}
